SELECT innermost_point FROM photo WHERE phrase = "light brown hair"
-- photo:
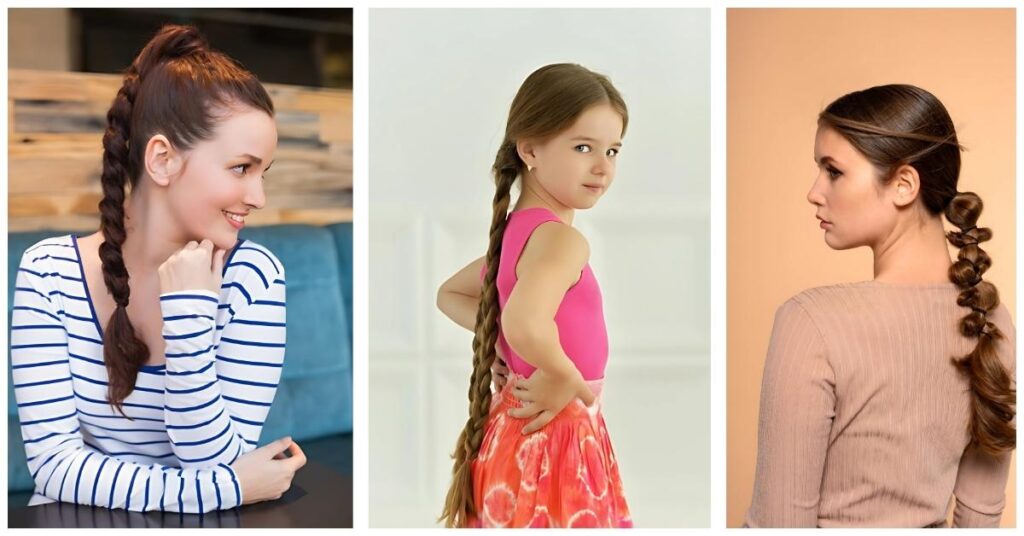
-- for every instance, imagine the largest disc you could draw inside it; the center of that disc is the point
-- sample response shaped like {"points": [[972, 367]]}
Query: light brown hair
{"points": [[548, 102], [172, 88], [897, 125]]}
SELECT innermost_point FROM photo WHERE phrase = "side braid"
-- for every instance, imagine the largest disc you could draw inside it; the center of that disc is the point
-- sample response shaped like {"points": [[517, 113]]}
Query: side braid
{"points": [[459, 504], [123, 351]]}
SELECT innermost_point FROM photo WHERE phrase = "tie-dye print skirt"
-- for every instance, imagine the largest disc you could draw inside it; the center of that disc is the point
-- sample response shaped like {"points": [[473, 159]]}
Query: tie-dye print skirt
{"points": [[563, 475]]}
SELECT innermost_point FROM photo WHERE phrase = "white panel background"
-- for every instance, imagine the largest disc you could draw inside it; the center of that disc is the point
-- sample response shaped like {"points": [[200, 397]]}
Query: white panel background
{"points": [[440, 83]]}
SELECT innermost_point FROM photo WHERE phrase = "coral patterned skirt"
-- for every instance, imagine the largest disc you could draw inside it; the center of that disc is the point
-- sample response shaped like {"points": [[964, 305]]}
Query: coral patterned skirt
{"points": [[563, 475]]}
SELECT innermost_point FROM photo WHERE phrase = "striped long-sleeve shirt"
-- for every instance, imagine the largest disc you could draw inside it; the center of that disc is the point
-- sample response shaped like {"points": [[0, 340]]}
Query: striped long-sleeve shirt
{"points": [[188, 420]]}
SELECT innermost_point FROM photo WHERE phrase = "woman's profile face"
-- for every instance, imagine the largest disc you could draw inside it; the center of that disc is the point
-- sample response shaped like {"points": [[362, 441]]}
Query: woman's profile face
{"points": [[577, 166], [852, 205], [222, 177]]}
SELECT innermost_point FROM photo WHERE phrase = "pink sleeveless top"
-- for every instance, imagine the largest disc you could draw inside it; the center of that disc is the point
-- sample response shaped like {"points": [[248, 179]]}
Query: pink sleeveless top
{"points": [[580, 316]]}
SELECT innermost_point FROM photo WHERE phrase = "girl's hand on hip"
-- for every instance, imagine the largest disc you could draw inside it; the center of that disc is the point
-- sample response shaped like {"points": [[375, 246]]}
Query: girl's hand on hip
{"points": [[194, 267], [545, 393], [266, 473]]}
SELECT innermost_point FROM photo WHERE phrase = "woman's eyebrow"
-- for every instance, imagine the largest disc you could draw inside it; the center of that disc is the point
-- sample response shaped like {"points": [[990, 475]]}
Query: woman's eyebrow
{"points": [[825, 160], [255, 159]]}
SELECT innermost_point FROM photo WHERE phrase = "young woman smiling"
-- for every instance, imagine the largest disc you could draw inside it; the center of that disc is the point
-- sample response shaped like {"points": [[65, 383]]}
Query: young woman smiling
{"points": [[145, 356]]}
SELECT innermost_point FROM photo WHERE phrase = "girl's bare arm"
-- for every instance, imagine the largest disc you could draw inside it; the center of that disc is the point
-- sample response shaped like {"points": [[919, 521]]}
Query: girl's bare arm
{"points": [[459, 297], [550, 264]]}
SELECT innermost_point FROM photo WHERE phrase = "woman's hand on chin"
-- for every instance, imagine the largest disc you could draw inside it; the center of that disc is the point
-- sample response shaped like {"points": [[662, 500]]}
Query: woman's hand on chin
{"points": [[266, 473], [197, 266]]}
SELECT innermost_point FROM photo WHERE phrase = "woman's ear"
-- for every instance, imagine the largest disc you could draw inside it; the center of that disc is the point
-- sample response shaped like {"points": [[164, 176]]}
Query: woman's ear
{"points": [[906, 185], [162, 161], [526, 150]]}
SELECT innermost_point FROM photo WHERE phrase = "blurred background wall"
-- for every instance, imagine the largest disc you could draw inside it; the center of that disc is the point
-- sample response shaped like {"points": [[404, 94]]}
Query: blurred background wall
{"points": [[64, 66]]}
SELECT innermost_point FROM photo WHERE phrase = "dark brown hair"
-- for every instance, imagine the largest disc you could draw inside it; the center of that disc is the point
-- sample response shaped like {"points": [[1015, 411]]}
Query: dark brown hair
{"points": [[548, 102], [897, 125], [172, 88]]}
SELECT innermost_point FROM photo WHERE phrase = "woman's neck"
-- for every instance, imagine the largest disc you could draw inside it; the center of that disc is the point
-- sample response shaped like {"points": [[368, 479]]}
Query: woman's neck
{"points": [[150, 237], [534, 196], [915, 252]]}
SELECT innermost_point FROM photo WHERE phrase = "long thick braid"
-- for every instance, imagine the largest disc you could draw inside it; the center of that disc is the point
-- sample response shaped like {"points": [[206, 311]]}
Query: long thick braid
{"points": [[123, 351], [459, 505], [993, 398]]}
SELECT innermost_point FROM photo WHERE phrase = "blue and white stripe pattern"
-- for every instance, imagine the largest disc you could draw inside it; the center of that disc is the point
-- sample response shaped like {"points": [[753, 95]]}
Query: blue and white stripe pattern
{"points": [[188, 419]]}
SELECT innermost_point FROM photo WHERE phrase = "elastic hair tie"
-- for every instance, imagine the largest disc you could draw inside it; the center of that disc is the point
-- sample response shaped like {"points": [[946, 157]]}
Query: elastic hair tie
{"points": [[968, 239], [979, 310]]}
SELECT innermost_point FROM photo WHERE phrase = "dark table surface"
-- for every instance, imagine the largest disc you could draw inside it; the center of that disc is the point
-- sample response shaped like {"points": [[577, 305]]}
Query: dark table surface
{"points": [[320, 497]]}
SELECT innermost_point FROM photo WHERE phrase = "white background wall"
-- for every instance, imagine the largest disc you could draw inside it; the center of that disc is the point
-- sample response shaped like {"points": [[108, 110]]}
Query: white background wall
{"points": [[441, 82]]}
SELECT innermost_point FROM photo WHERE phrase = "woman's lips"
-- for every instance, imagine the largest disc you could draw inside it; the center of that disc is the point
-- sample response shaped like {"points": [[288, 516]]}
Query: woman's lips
{"points": [[595, 188], [825, 224], [235, 219]]}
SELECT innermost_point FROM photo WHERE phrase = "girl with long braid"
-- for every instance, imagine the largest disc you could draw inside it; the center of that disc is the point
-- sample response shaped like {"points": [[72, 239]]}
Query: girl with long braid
{"points": [[145, 356], [537, 453], [883, 401]]}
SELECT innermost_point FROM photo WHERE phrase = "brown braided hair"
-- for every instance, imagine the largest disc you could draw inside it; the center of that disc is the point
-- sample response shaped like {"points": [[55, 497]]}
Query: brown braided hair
{"points": [[548, 102], [171, 88], [897, 125]]}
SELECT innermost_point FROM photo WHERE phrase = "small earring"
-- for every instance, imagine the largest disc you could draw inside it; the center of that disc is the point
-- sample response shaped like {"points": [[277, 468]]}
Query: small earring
{"points": [[529, 168]]}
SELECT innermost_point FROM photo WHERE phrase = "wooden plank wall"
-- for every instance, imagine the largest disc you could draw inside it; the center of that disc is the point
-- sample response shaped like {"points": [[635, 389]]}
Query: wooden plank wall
{"points": [[55, 130]]}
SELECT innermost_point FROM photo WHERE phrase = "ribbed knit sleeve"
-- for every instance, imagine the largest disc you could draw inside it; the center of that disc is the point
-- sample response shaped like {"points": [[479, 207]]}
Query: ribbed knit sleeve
{"points": [[796, 413], [980, 489]]}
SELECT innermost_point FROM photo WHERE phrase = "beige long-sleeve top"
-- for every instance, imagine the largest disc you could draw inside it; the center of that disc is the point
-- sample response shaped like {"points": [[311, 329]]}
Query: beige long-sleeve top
{"points": [[863, 417]]}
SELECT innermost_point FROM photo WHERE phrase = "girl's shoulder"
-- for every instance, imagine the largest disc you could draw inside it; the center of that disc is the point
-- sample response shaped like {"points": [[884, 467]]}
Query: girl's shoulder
{"points": [[556, 234], [555, 244], [538, 224]]}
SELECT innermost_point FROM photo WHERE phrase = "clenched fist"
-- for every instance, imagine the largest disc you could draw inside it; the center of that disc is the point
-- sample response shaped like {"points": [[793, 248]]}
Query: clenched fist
{"points": [[194, 267], [266, 473]]}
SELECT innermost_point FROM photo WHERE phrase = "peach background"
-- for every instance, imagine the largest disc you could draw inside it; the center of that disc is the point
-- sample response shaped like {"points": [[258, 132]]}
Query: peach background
{"points": [[785, 66]]}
